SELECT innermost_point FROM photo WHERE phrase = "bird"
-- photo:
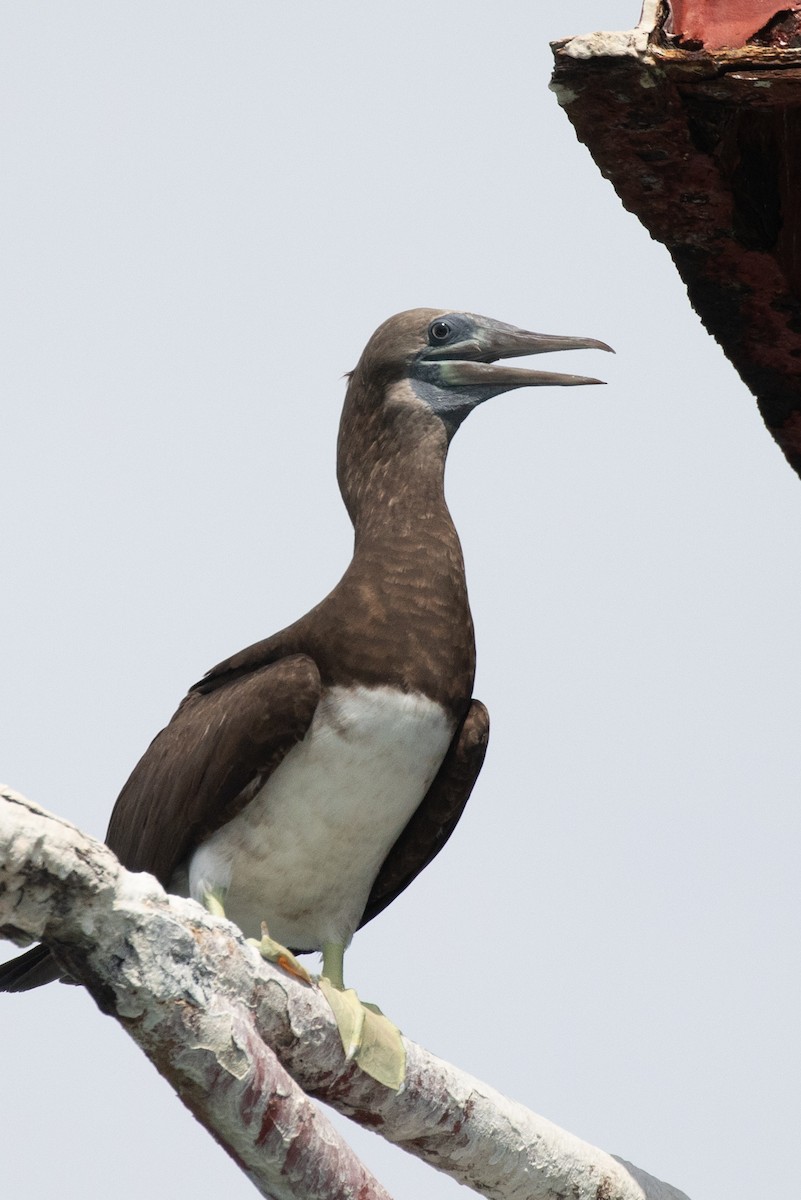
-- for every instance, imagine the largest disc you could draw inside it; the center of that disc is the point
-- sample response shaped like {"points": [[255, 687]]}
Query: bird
{"points": [[304, 783]]}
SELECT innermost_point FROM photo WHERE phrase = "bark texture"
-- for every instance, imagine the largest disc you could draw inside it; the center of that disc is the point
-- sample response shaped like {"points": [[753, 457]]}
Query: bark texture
{"points": [[700, 135], [245, 1047]]}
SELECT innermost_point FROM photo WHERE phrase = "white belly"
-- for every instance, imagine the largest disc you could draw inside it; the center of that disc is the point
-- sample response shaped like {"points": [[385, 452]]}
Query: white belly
{"points": [[304, 853]]}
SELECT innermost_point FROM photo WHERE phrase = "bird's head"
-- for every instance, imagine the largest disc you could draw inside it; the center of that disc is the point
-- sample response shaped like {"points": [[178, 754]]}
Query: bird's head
{"points": [[448, 359]]}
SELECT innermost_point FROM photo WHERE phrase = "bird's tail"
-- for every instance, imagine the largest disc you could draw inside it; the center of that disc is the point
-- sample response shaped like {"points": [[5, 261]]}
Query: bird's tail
{"points": [[29, 970]]}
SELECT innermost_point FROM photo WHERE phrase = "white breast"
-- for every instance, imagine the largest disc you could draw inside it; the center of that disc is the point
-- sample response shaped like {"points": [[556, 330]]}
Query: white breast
{"points": [[304, 853]]}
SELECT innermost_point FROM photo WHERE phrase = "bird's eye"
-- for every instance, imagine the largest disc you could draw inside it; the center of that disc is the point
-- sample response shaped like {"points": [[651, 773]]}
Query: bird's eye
{"points": [[440, 331]]}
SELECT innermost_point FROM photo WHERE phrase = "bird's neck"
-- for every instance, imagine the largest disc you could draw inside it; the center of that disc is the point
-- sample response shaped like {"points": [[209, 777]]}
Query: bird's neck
{"points": [[405, 586], [391, 467]]}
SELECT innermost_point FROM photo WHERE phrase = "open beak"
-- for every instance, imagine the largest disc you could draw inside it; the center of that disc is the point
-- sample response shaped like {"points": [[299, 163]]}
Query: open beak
{"points": [[472, 363]]}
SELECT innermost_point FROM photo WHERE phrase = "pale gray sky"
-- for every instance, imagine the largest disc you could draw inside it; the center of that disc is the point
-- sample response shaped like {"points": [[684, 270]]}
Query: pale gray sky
{"points": [[205, 210]]}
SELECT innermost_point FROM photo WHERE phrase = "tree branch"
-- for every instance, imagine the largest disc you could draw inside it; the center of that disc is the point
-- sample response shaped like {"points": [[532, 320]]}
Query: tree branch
{"points": [[238, 1039]]}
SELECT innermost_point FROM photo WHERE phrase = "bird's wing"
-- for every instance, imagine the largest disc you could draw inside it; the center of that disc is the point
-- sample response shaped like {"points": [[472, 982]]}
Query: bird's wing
{"points": [[436, 817], [212, 758], [196, 774], [288, 642]]}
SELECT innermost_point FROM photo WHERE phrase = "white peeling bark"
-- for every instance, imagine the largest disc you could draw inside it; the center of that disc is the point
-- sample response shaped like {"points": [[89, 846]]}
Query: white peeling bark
{"points": [[143, 968], [245, 1046]]}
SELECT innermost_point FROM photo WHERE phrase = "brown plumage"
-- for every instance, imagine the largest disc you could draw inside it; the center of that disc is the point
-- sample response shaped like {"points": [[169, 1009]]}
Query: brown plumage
{"points": [[397, 624]]}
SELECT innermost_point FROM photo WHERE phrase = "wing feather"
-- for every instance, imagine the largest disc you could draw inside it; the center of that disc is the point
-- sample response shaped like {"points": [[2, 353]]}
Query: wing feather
{"points": [[204, 767]]}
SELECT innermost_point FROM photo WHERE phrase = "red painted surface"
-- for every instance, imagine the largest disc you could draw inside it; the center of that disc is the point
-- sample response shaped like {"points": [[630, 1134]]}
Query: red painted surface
{"points": [[718, 23]]}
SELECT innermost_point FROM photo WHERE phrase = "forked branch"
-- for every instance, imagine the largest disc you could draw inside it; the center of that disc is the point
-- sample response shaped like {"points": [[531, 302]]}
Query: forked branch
{"points": [[245, 1047]]}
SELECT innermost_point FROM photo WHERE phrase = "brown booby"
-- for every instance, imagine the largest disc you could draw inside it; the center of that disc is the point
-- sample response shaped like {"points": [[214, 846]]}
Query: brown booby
{"points": [[307, 780]]}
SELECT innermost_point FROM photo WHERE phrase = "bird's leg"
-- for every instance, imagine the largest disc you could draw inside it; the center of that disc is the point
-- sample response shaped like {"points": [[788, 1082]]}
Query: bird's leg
{"points": [[368, 1037], [333, 964], [267, 947]]}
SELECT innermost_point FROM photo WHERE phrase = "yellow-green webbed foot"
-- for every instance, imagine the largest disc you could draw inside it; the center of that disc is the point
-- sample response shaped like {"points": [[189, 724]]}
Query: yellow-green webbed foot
{"points": [[368, 1037], [267, 947]]}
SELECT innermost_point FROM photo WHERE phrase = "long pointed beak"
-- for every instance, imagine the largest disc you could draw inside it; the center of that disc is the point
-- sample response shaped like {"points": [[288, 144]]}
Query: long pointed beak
{"points": [[471, 363], [506, 379], [504, 341]]}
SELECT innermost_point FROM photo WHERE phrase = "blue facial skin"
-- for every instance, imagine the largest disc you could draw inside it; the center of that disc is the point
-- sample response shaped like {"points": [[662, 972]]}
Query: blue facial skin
{"points": [[453, 374], [451, 337], [451, 402]]}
